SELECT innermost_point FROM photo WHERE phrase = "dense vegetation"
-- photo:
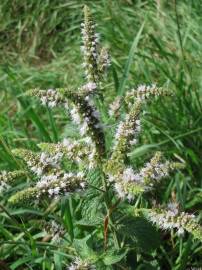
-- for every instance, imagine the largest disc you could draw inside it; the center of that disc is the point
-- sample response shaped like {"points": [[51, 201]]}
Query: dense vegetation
{"points": [[149, 42]]}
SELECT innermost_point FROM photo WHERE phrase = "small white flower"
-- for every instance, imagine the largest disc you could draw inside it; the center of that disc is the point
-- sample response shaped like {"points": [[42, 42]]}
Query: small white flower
{"points": [[83, 184], [120, 130], [50, 92], [91, 156], [134, 141], [51, 160], [180, 231], [78, 264], [51, 191], [111, 178], [56, 190], [84, 128], [52, 104], [130, 197], [66, 142], [173, 208], [62, 185], [114, 106], [88, 140], [89, 87], [37, 170], [75, 115], [80, 174], [119, 190], [44, 100], [128, 174]]}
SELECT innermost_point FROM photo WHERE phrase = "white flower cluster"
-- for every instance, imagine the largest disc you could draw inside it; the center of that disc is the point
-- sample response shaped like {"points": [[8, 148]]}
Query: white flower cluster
{"points": [[104, 61], [90, 41], [3, 175], [92, 159], [75, 115], [173, 208], [120, 190], [84, 126], [89, 87], [128, 128], [45, 160], [143, 92], [128, 177], [87, 151], [79, 264], [51, 98], [81, 152], [96, 59], [7, 178], [114, 107], [171, 219], [82, 122], [70, 146], [38, 170], [55, 230], [51, 160], [154, 171], [85, 120], [57, 184], [3, 182], [144, 178]]}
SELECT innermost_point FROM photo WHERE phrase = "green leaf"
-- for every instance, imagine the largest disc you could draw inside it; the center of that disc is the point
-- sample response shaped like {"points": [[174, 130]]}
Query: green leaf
{"points": [[112, 257], [88, 222], [195, 202], [144, 234], [142, 150], [52, 124], [130, 60], [58, 261], [91, 211], [94, 178], [66, 213], [20, 262], [146, 266], [84, 250]]}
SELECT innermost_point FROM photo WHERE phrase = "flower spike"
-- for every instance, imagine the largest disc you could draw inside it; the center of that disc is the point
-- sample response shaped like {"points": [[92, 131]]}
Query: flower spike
{"points": [[172, 218], [90, 47]]}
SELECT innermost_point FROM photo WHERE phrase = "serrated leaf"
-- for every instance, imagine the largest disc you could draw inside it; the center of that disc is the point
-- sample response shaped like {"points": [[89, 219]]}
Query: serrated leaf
{"points": [[94, 178], [145, 235], [84, 250], [91, 210], [113, 257]]}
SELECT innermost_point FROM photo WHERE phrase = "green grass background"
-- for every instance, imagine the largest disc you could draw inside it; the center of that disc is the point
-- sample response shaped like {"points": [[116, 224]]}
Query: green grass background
{"points": [[149, 42]]}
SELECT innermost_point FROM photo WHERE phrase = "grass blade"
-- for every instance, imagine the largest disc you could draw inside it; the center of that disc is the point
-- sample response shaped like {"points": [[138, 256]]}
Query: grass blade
{"points": [[129, 61]]}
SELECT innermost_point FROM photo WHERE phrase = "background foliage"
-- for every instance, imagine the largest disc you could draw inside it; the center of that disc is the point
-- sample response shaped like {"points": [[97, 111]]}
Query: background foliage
{"points": [[149, 41]]}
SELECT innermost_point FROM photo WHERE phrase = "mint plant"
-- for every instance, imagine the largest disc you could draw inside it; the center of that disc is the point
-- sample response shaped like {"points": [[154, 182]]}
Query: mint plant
{"points": [[114, 197]]}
